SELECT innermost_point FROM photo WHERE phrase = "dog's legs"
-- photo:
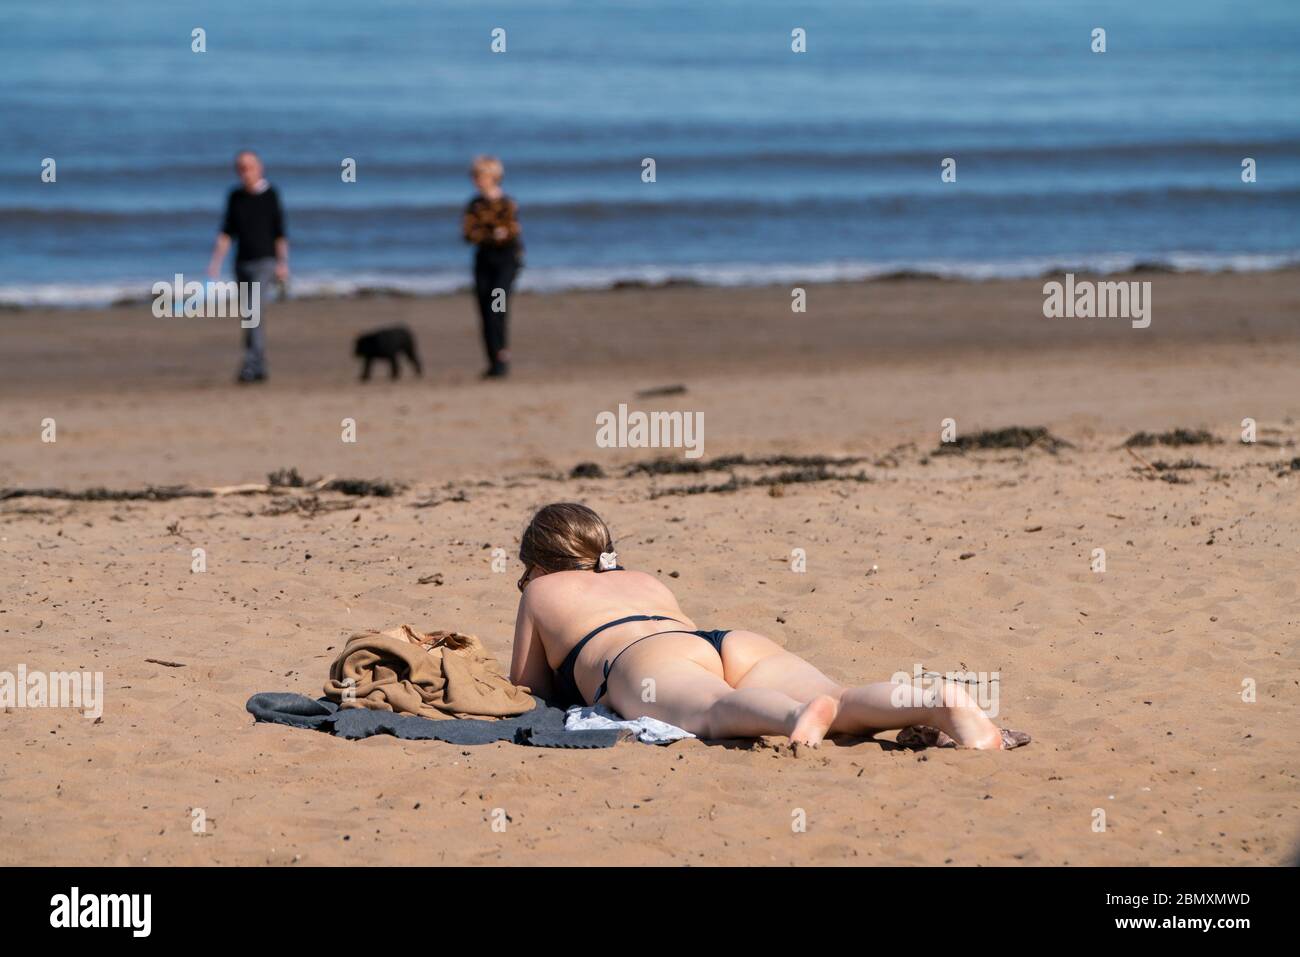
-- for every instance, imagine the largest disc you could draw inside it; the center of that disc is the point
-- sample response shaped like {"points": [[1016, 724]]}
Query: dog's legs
{"points": [[397, 370], [365, 370], [415, 360]]}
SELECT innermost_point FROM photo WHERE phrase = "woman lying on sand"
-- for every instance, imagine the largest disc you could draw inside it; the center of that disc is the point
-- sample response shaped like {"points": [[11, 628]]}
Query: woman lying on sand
{"points": [[589, 631]]}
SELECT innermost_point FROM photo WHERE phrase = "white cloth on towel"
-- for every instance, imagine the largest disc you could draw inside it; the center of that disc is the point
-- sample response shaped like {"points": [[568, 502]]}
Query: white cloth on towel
{"points": [[600, 718]]}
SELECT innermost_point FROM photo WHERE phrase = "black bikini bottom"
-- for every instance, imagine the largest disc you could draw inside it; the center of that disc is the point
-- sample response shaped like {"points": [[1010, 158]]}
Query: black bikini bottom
{"points": [[566, 687]]}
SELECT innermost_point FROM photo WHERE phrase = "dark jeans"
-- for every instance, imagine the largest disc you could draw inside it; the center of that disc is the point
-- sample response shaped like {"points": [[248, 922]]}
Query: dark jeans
{"points": [[261, 271], [495, 267]]}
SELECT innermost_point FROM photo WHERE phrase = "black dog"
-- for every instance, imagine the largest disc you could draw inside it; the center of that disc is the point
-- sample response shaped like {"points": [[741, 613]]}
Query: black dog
{"points": [[387, 344]]}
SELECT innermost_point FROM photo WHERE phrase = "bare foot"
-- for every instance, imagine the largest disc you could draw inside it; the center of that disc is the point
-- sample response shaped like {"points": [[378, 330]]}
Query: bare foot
{"points": [[972, 729], [814, 720]]}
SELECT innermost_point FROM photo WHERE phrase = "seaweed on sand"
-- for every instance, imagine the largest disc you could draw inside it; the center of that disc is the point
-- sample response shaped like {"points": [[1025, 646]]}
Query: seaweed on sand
{"points": [[778, 480], [724, 463], [1174, 438], [1018, 437]]}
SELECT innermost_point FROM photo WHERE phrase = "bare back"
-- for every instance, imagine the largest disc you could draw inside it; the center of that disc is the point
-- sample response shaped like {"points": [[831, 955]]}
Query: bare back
{"points": [[565, 606], [558, 610]]}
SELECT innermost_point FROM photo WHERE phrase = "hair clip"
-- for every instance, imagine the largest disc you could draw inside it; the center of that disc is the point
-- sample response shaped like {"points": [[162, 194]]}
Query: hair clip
{"points": [[608, 562]]}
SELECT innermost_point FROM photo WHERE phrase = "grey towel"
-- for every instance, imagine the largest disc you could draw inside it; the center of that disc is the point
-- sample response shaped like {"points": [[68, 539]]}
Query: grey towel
{"points": [[543, 727]]}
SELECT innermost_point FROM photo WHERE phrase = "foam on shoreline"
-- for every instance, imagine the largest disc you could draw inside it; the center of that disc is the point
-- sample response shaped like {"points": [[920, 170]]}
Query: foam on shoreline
{"points": [[542, 279]]}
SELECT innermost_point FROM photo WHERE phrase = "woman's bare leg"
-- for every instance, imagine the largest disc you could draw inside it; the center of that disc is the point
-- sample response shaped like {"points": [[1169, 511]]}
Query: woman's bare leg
{"points": [[754, 661], [751, 712], [884, 706]]}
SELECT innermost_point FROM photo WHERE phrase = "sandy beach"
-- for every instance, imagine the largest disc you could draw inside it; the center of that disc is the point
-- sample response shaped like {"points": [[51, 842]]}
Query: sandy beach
{"points": [[1130, 680]]}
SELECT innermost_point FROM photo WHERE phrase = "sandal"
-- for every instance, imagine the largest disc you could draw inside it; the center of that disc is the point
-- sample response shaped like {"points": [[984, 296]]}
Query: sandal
{"points": [[920, 736]]}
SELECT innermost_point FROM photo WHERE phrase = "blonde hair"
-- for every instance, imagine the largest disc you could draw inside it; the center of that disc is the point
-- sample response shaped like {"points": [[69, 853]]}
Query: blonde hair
{"points": [[565, 536], [487, 164]]}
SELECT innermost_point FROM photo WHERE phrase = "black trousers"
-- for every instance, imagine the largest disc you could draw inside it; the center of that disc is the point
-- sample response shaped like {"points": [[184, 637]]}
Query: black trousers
{"points": [[495, 268]]}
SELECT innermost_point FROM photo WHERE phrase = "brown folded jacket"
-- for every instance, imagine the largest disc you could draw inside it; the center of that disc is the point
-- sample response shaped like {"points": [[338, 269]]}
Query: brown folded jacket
{"points": [[440, 675]]}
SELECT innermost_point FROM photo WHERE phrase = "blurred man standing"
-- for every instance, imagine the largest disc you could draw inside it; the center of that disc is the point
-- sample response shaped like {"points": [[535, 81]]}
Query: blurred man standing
{"points": [[255, 222]]}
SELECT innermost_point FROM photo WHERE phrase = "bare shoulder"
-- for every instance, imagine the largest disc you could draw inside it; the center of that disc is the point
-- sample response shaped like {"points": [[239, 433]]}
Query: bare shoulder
{"points": [[564, 584], [553, 581], [546, 589], [650, 583], [644, 577]]}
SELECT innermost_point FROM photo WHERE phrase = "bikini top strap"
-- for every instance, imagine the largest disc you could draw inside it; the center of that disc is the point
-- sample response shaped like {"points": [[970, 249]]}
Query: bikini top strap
{"points": [[609, 624]]}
